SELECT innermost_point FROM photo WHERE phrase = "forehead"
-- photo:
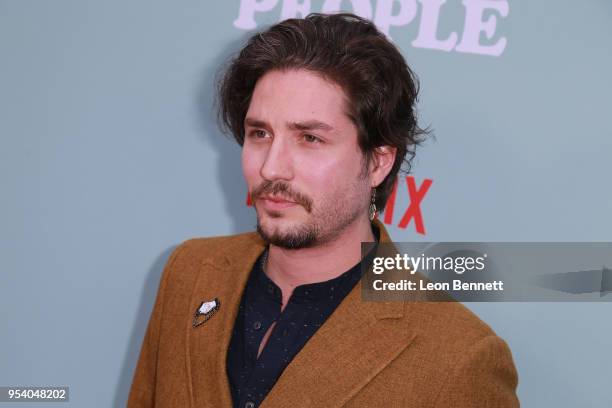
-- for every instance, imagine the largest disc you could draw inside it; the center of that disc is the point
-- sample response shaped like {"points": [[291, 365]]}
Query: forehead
{"points": [[299, 95]]}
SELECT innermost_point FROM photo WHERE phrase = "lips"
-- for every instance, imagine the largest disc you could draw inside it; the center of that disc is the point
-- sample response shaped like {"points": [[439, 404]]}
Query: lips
{"points": [[276, 203], [276, 199]]}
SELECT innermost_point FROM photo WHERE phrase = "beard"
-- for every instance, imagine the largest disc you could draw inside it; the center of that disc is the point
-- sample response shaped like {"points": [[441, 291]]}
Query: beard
{"points": [[297, 238], [325, 221]]}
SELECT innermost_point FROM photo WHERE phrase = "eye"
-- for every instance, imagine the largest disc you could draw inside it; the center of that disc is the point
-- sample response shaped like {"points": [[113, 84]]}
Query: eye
{"points": [[258, 134], [312, 139]]}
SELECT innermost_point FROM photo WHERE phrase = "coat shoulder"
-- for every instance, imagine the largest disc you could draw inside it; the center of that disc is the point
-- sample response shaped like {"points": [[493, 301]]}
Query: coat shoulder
{"points": [[187, 258], [218, 247], [474, 365], [460, 360], [453, 324]]}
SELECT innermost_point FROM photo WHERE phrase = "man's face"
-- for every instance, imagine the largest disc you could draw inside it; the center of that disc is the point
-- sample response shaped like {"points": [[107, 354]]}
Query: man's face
{"points": [[301, 160]]}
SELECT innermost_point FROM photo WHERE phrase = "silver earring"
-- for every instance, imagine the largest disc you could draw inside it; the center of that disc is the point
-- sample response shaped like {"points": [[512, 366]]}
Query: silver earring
{"points": [[373, 205]]}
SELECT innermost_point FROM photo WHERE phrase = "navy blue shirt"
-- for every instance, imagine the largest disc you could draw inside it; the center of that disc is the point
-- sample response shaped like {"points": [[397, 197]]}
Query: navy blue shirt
{"points": [[309, 306]]}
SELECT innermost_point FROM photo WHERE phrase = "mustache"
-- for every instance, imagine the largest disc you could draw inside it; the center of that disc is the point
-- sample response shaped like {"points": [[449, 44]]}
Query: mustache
{"points": [[284, 190]]}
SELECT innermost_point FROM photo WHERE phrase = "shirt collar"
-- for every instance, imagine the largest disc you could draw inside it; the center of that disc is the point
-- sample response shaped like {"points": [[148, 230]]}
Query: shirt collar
{"points": [[326, 290]]}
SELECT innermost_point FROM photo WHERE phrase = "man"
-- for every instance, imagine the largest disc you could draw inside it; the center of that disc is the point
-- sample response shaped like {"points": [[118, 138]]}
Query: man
{"points": [[324, 108]]}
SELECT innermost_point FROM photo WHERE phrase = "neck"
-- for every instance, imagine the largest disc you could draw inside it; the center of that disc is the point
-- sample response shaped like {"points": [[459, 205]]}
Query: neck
{"points": [[289, 268]]}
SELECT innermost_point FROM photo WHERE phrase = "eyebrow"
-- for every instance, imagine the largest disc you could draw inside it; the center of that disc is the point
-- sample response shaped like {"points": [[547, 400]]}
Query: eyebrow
{"points": [[255, 123], [310, 125], [305, 125]]}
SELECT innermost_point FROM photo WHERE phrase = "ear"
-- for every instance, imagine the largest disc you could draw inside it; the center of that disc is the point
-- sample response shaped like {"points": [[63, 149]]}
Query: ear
{"points": [[381, 163]]}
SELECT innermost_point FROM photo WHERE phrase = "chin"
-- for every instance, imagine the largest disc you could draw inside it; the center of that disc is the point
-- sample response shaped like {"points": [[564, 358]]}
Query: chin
{"points": [[287, 235], [271, 225]]}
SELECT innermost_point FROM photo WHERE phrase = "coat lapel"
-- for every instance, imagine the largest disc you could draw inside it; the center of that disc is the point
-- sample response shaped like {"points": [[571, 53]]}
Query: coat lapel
{"points": [[223, 277], [355, 343]]}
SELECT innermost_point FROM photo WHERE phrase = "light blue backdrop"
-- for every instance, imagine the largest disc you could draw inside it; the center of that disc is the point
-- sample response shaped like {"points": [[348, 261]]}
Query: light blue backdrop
{"points": [[110, 156]]}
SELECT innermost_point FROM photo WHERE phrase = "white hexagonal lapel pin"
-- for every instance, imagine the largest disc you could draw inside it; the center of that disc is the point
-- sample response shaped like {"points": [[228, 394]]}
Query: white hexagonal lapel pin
{"points": [[205, 311]]}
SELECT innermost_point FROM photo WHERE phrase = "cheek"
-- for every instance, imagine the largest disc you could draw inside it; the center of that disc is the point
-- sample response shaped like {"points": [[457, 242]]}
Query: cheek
{"points": [[333, 167], [250, 165], [332, 179]]}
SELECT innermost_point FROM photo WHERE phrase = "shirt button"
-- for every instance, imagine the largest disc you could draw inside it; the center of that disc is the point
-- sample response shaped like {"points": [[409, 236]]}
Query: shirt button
{"points": [[270, 288], [249, 404], [257, 325], [285, 332]]}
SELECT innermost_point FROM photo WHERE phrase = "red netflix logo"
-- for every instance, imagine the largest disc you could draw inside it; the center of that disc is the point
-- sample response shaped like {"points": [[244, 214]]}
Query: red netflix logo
{"points": [[416, 196], [413, 212]]}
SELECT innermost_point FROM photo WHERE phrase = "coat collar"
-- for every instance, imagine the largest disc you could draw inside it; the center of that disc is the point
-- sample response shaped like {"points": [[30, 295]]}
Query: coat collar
{"points": [[359, 339]]}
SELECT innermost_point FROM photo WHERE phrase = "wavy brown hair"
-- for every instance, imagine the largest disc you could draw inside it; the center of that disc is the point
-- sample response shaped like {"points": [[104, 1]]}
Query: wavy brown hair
{"points": [[350, 51]]}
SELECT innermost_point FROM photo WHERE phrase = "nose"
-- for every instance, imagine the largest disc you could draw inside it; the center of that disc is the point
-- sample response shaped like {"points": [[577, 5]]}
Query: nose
{"points": [[278, 163]]}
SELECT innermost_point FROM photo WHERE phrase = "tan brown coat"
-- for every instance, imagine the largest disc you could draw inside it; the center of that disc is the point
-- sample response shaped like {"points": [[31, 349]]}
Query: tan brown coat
{"points": [[367, 354]]}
